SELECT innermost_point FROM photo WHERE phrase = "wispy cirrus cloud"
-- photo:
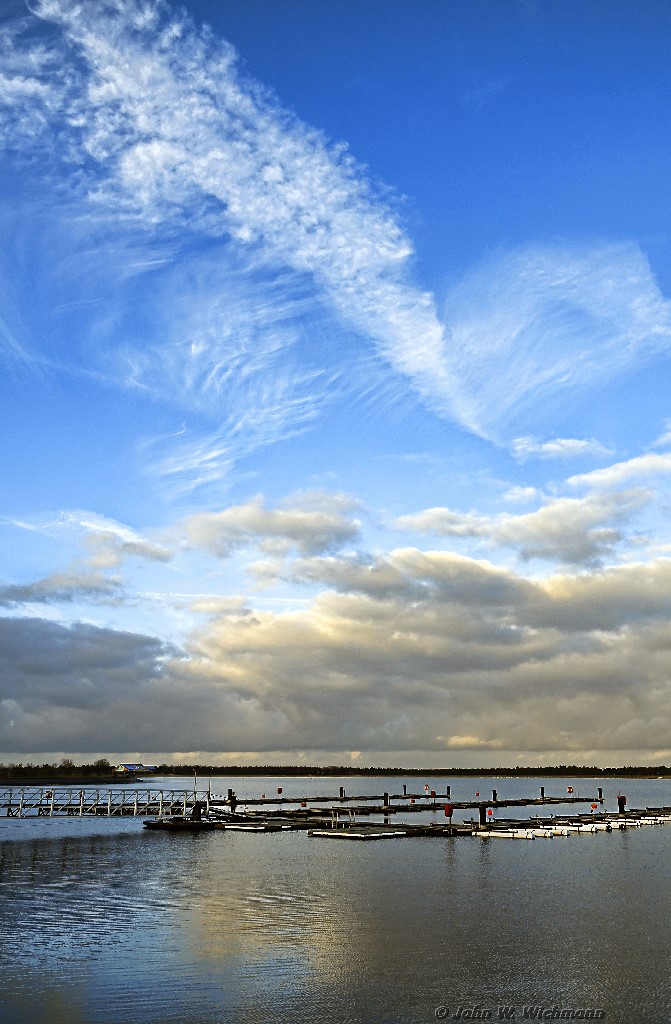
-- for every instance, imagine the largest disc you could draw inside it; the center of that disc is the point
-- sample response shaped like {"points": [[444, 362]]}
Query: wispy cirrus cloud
{"points": [[664, 440], [536, 323], [164, 135], [166, 131]]}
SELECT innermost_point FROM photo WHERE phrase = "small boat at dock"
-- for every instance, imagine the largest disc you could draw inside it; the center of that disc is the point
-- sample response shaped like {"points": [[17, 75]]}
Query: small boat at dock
{"points": [[178, 823]]}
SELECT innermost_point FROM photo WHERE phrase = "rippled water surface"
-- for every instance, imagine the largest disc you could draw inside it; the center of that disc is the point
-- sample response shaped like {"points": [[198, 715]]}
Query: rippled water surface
{"points": [[102, 921]]}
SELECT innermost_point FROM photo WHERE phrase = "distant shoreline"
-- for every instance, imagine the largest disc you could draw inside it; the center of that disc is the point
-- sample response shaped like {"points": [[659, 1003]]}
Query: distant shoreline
{"points": [[18, 778], [60, 780]]}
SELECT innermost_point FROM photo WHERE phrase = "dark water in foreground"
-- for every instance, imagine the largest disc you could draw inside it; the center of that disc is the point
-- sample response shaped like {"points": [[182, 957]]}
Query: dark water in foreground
{"points": [[101, 921]]}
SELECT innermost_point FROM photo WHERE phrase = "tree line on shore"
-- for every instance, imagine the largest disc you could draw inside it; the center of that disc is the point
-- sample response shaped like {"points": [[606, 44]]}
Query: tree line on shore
{"points": [[102, 768], [65, 769]]}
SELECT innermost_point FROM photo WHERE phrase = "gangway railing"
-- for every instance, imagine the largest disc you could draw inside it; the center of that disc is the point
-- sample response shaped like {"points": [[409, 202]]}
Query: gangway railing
{"points": [[33, 801]]}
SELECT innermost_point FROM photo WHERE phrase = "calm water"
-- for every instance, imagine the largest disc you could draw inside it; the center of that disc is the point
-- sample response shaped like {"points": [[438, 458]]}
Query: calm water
{"points": [[102, 921]]}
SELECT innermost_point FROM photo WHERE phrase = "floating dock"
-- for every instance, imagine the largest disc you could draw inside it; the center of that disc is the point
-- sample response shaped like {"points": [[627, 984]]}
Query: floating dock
{"points": [[335, 817], [518, 828]]}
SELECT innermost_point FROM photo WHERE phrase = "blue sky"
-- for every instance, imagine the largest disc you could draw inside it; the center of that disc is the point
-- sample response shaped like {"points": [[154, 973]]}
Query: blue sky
{"points": [[335, 360]]}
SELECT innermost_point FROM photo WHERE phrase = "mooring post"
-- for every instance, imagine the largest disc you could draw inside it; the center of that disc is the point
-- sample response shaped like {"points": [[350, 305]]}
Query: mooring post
{"points": [[600, 791], [483, 815], [448, 792], [405, 791], [543, 793], [621, 804], [494, 796], [342, 792], [385, 799]]}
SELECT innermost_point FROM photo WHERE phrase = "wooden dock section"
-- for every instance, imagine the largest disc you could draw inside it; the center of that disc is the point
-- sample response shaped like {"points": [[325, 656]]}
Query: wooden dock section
{"points": [[390, 803]]}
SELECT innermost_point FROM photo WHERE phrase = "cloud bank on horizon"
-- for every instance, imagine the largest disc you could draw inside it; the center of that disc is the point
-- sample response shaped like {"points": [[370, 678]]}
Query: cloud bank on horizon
{"points": [[243, 286]]}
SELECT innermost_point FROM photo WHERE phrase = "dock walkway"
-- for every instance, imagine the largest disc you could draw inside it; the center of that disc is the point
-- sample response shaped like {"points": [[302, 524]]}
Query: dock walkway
{"points": [[300, 812], [60, 801]]}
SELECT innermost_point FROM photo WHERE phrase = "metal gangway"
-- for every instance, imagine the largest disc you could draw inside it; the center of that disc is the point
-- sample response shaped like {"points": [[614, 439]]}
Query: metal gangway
{"points": [[33, 801]]}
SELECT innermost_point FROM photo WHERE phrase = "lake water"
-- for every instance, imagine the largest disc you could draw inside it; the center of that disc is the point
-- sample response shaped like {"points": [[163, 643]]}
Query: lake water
{"points": [[102, 921]]}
